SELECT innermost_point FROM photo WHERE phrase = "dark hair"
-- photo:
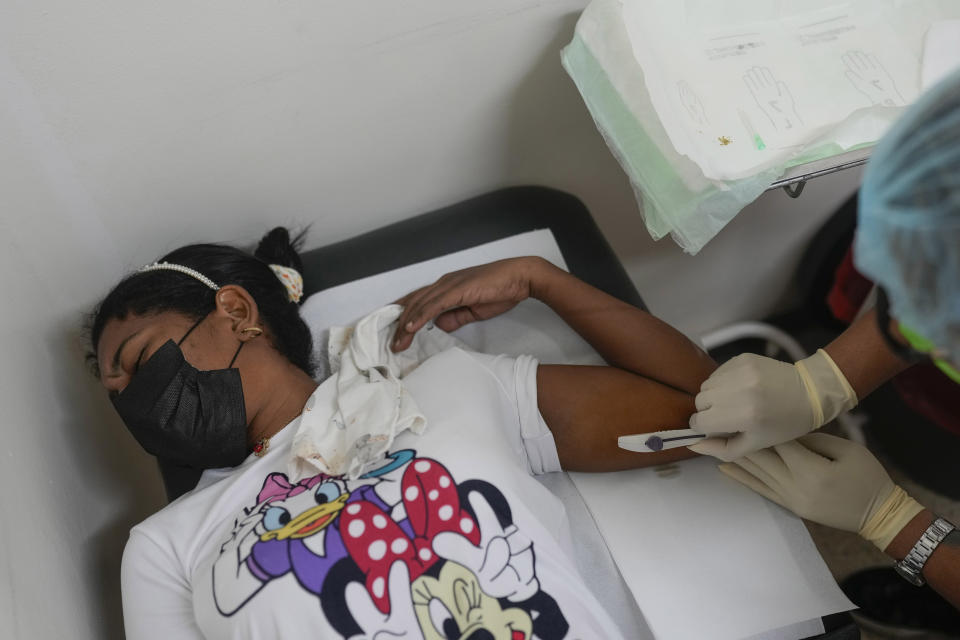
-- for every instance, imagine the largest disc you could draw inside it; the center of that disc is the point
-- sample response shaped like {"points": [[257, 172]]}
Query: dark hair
{"points": [[163, 290]]}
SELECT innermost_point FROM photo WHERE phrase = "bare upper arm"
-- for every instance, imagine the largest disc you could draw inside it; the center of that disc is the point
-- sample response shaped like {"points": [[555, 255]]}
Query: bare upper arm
{"points": [[588, 408]]}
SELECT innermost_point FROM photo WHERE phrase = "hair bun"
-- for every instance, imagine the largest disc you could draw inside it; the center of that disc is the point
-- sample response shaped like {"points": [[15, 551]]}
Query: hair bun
{"points": [[276, 247]]}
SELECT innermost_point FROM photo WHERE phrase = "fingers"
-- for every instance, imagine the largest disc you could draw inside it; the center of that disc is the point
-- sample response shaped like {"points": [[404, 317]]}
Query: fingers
{"points": [[714, 447], [458, 548], [705, 399], [398, 586], [465, 296], [716, 414], [759, 78], [416, 311], [486, 518], [697, 420], [725, 449], [709, 399], [430, 306], [734, 471], [444, 298], [852, 60], [404, 301], [766, 465], [720, 377], [496, 556], [757, 472], [419, 307], [797, 456], [768, 78], [360, 604], [784, 91], [407, 302], [453, 546], [517, 541], [830, 447], [454, 319]]}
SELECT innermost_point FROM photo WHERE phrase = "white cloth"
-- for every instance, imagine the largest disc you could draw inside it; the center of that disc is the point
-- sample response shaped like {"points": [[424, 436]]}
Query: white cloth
{"points": [[213, 564], [371, 404]]}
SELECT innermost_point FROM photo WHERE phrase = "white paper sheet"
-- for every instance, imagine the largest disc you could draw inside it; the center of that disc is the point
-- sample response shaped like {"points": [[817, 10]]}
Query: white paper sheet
{"points": [[711, 518], [941, 52], [741, 85], [746, 565]]}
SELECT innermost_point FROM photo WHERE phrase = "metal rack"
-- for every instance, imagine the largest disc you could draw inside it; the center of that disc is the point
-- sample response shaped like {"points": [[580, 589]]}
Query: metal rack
{"points": [[795, 179]]}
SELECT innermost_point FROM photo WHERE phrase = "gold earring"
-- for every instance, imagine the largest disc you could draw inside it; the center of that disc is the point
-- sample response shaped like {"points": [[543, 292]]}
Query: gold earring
{"points": [[251, 329]]}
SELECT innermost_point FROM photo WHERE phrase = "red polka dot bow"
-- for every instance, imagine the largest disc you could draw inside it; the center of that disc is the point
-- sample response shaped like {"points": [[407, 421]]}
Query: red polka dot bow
{"points": [[375, 541]]}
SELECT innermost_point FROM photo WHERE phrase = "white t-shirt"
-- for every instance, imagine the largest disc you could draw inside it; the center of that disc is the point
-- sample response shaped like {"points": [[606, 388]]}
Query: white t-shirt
{"points": [[450, 537]]}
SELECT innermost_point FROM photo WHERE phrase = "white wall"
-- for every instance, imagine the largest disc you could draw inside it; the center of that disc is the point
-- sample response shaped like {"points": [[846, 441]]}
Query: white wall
{"points": [[129, 128]]}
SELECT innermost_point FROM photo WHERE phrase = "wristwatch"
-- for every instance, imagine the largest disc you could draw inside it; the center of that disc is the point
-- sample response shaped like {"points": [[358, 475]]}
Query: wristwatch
{"points": [[910, 568]]}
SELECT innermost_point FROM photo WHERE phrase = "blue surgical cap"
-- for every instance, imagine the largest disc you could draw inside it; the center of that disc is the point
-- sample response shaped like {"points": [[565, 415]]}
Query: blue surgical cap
{"points": [[908, 234]]}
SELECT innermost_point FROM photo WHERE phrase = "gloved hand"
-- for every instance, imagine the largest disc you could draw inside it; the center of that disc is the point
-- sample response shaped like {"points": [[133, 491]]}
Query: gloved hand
{"points": [[765, 402], [829, 480]]}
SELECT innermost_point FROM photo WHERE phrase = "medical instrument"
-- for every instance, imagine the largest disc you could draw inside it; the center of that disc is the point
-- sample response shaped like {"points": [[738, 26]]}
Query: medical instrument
{"points": [[659, 440]]}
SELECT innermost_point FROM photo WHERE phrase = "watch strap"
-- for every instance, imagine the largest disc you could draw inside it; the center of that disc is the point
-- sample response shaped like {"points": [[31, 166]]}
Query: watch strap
{"points": [[911, 567]]}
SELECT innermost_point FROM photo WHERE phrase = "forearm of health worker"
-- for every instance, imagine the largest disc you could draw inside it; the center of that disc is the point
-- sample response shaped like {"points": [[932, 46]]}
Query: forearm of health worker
{"points": [[764, 402], [862, 355], [840, 484]]}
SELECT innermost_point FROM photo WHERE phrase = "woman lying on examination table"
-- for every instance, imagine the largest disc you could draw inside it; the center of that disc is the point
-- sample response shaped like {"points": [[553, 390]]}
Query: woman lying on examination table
{"points": [[208, 363]]}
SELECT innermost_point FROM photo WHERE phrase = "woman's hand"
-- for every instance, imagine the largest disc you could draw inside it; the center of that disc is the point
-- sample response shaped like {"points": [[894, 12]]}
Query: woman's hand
{"points": [[468, 295]]}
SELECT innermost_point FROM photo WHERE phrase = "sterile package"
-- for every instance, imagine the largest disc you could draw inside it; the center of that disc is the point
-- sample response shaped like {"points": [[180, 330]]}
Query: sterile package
{"points": [[742, 85], [705, 104], [690, 540]]}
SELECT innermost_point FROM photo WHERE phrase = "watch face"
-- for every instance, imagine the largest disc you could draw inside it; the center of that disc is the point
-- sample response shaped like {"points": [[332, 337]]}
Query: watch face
{"points": [[909, 575]]}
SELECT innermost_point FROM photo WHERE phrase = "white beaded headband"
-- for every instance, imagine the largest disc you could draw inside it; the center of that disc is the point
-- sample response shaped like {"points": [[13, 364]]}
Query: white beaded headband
{"points": [[290, 278], [169, 266]]}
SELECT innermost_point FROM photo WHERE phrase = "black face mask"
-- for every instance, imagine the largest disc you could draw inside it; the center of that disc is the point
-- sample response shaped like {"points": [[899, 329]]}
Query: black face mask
{"points": [[185, 416]]}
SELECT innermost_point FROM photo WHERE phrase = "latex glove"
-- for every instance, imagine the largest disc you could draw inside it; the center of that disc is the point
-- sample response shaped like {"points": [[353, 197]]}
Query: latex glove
{"points": [[829, 480], [765, 402]]}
